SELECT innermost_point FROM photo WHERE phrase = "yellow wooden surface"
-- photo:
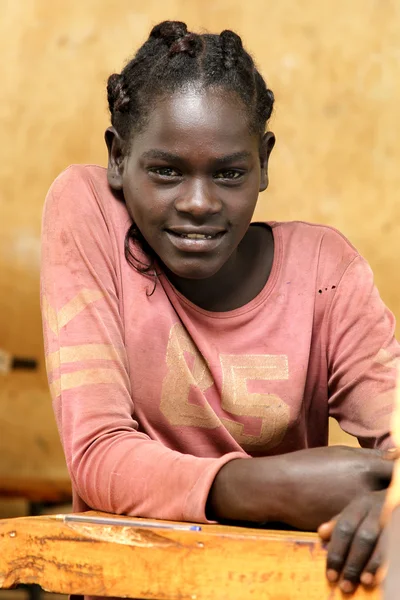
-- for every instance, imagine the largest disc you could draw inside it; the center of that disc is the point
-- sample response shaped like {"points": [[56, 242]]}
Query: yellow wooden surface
{"points": [[334, 66], [217, 563]]}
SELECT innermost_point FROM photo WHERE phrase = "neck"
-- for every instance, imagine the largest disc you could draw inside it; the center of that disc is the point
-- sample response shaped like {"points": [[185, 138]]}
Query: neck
{"points": [[214, 292]]}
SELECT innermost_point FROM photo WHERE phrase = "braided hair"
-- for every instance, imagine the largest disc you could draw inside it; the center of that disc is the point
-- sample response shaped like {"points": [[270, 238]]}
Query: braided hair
{"points": [[170, 59]]}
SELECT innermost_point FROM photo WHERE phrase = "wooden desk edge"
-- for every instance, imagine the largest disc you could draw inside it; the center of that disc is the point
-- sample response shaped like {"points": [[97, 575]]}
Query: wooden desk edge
{"points": [[217, 562]]}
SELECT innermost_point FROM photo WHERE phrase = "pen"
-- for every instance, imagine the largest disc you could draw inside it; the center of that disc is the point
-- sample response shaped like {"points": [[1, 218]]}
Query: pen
{"points": [[126, 522]]}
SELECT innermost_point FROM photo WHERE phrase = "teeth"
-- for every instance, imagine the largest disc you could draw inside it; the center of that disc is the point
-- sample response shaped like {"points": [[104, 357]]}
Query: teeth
{"points": [[196, 236]]}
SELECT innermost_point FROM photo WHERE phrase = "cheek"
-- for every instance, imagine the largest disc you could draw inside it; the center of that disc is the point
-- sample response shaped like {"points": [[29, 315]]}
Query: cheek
{"points": [[242, 209], [139, 202], [134, 187], [149, 213]]}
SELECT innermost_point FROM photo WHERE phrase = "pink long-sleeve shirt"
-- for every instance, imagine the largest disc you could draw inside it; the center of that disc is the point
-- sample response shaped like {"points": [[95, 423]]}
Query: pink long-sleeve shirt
{"points": [[152, 394]]}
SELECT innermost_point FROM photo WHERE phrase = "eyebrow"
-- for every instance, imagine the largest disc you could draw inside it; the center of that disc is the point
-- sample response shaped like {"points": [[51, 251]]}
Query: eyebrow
{"points": [[169, 156]]}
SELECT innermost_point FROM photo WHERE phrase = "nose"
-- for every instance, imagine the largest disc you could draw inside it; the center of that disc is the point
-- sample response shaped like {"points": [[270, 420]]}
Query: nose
{"points": [[198, 200]]}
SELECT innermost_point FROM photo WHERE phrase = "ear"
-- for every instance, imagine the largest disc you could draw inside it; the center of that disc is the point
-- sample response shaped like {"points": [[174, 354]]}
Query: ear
{"points": [[267, 143], [115, 168]]}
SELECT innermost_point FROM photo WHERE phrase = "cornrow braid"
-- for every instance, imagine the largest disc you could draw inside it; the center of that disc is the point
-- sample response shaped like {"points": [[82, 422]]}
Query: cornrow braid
{"points": [[232, 48], [118, 99], [170, 59], [189, 44]]}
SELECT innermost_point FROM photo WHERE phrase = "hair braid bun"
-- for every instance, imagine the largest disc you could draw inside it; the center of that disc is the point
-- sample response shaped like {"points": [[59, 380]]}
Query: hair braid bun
{"points": [[176, 36], [117, 96], [232, 47], [169, 31]]}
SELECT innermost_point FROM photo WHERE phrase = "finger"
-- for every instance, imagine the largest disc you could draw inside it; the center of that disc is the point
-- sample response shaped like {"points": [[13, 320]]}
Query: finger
{"points": [[369, 574], [361, 550], [342, 536], [325, 530]]}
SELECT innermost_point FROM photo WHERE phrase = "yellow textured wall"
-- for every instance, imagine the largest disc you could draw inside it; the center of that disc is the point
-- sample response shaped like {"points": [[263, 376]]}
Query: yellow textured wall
{"points": [[334, 66]]}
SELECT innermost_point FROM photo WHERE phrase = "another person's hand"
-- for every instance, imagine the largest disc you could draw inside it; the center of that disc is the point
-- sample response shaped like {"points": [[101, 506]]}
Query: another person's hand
{"points": [[355, 549]]}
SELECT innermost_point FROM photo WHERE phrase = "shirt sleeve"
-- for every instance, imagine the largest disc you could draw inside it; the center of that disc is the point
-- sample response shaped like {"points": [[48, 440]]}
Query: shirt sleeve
{"points": [[362, 356], [113, 466]]}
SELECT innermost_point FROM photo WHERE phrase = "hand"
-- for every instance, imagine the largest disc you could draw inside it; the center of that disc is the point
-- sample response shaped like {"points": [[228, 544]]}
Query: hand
{"points": [[302, 489], [330, 478], [355, 542]]}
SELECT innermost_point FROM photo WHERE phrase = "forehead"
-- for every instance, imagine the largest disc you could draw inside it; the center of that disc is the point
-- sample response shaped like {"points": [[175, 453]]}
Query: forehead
{"points": [[197, 120]]}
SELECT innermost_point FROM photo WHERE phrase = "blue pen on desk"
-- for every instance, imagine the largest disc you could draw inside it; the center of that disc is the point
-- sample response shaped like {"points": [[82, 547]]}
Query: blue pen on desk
{"points": [[125, 522]]}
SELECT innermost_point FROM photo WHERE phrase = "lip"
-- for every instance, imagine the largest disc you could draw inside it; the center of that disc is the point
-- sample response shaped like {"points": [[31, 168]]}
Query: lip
{"points": [[185, 229], [192, 245]]}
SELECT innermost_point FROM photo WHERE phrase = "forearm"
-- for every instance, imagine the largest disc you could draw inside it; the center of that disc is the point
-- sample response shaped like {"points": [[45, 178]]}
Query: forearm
{"points": [[255, 490], [303, 489], [127, 473]]}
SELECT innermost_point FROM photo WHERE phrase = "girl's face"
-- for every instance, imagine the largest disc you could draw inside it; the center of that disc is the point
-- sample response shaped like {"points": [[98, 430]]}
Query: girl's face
{"points": [[192, 178]]}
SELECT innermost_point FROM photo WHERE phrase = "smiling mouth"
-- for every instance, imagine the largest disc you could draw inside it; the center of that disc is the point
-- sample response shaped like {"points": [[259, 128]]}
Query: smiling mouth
{"points": [[197, 236], [193, 241]]}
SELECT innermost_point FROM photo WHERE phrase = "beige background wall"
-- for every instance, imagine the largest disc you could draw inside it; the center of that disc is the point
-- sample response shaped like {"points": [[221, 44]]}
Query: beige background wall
{"points": [[334, 66]]}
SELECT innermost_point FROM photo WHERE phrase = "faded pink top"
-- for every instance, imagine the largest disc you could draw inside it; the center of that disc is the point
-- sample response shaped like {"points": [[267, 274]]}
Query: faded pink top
{"points": [[152, 395]]}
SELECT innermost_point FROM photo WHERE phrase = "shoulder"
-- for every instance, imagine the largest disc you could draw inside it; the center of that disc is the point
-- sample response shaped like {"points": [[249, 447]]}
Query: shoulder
{"points": [[81, 206], [82, 191], [304, 232], [314, 242], [79, 177]]}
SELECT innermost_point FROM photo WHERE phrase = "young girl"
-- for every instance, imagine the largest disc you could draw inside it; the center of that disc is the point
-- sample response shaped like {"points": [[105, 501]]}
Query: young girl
{"points": [[194, 358]]}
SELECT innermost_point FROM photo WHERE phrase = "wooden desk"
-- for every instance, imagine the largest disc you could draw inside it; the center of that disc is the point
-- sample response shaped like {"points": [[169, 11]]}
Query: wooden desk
{"points": [[217, 563]]}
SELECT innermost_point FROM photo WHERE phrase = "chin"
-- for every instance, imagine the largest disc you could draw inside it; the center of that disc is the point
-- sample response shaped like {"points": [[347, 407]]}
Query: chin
{"points": [[194, 271]]}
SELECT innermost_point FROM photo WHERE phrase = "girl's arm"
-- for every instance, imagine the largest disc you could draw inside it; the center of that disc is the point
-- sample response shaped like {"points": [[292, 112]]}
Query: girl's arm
{"points": [[113, 466], [362, 354]]}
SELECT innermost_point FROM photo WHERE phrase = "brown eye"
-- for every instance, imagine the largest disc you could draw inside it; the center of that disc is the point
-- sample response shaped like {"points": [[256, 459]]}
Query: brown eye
{"points": [[229, 174], [165, 171]]}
